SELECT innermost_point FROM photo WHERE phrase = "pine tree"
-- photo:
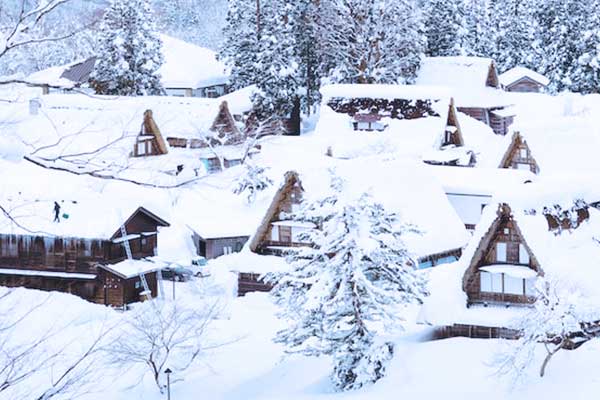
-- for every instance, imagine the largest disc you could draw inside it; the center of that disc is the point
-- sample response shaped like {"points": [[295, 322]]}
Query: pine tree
{"points": [[444, 21], [478, 36], [241, 43], [277, 62], [585, 74], [355, 278], [513, 33], [129, 51], [252, 181], [372, 42]]}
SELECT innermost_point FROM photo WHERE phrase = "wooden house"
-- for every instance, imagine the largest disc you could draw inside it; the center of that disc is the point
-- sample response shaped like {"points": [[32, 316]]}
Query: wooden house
{"points": [[221, 129], [213, 246], [149, 142], [524, 80], [425, 204], [187, 71], [476, 88], [420, 121], [518, 155], [121, 284], [541, 231], [64, 255]]}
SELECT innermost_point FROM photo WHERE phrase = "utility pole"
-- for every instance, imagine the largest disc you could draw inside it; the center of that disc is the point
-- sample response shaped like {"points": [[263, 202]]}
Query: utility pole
{"points": [[168, 372]]}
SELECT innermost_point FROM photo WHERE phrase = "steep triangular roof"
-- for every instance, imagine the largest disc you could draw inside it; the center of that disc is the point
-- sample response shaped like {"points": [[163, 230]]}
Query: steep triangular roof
{"points": [[517, 143], [149, 127]]}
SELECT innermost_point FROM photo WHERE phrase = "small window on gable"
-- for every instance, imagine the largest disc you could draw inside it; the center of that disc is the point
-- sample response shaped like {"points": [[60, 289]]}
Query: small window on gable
{"points": [[523, 153], [501, 252], [523, 255], [141, 148], [506, 231]]}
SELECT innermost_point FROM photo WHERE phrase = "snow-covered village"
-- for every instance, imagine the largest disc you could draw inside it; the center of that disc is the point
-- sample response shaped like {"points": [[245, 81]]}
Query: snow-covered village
{"points": [[307, 200]]}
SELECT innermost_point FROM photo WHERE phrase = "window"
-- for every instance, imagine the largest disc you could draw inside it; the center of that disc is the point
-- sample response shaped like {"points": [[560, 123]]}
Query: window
{"points": [[530, 287], [141, 148], [491, 283], [274, 233], [523, 166], [523, 153], [513, 285], [144, 241], [506, 231], [501, 252], [138, 284], [227, 250], [523, 255]]}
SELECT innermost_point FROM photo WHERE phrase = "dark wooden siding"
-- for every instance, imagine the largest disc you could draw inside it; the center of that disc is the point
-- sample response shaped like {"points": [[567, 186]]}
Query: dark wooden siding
{"points": [[498, 123], [476, 332], [116, 291], [84, 288], [250, 282], [525, 85], [51, 254]]}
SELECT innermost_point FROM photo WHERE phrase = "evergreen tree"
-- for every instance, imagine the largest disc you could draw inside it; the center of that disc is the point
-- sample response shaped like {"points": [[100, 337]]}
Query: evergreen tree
{"points": [[355, 279], [276, 62], [444, 21], [513, 34], [478, 37], [241, 43], [129, 51], [373, 42]]}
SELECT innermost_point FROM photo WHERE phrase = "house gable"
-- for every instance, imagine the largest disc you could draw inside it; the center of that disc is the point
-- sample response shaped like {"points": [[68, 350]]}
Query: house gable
{"points": [[453, 134], [525, 84], [518, 155], [149, 142], [289, 193], [502, 249], [492, 76]]}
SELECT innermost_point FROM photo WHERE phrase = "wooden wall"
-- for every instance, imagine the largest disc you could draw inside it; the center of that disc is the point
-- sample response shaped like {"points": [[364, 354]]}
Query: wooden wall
{"points": [[250, 282], [117, 291], [476, 332], [506, 232], [515, 156], [525, 85], [84, 288]]}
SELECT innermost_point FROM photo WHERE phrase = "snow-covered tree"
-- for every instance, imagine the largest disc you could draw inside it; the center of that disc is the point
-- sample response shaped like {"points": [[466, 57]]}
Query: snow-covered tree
{"points": [[355, 279], [372, 42], [513, 33], [561, 319], [478, 36], [241, 42], [276, 60], [444, 22], [252, 181], [129, 51]]}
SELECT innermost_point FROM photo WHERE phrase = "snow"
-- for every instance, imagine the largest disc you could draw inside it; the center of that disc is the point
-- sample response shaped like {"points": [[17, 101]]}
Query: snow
{"points": [[240, 101], [563, 257], [381, 91], [514, 74], [516, 271], [186, 66], [49, 274], [189, 66], [132, 268]]}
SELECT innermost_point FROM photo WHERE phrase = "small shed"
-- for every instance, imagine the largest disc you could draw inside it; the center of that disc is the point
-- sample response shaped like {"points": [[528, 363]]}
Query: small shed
{"points": [[524, 80], [213, 246], [121, 284]]}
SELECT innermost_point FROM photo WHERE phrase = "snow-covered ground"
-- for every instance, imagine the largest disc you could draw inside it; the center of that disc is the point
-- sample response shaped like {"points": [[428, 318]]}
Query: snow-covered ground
{"points": [[246, 363]]}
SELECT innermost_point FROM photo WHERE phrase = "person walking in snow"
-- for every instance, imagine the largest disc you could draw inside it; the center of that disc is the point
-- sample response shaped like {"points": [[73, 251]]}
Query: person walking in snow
{"points": [[56, 212]]}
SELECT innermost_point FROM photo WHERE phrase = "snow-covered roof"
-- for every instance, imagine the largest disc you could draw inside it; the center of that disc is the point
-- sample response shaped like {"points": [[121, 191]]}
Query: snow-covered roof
{"points": [[472, 81], [80, 216], [419, 134], [240, 101], [479, 181], [189, 66], [563, 256], [381, 91], [562, 144], [132, 268], [402, 186], [479, 137], [459, 71], [514, 74], [186, 66]]}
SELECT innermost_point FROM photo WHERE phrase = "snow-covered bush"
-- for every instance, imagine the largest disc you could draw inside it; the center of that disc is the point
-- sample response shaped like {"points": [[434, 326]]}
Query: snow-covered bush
{"points": [[351, 283], [252, 181], [561, 319], [129, 51]]}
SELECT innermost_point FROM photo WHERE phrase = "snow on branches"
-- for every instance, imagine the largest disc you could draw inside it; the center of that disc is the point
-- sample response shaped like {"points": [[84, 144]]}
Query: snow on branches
{"points": [[353, 281], [252, 181]]}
